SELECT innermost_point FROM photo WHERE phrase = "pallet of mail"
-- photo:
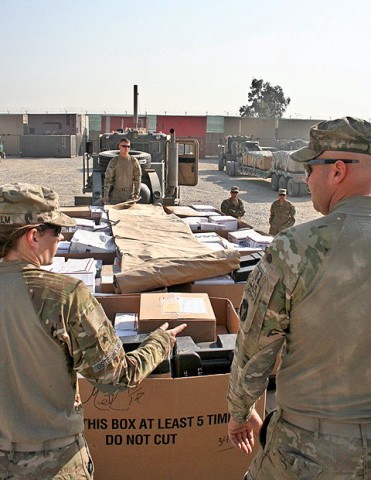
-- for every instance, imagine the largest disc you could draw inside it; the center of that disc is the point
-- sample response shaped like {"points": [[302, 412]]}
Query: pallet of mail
{"points": [[82, 268]]}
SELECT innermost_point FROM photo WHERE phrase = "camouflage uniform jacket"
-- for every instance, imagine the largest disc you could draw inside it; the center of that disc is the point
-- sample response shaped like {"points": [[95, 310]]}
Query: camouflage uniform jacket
{"points": [[311, 292], [236, 210], [282, 216], [51, 329], [123, 174]]}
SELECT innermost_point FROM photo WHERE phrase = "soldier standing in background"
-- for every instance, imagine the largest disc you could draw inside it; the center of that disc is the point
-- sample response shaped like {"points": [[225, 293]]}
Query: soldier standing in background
{"points": [[311, 292], [51, 329], [122, 177], [233, 206], [282, 213]]}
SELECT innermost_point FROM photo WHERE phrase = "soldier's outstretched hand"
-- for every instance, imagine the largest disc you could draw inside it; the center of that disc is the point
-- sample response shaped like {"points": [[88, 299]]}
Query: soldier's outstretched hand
{"points": [[173, 332]]}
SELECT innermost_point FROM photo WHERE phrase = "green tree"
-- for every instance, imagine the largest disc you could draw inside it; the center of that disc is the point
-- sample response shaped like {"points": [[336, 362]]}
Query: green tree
{"points": [[265, 101]]}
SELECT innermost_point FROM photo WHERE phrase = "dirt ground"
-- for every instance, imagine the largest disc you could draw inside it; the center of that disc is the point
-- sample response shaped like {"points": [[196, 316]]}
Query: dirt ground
{"points": [[65, 175]]}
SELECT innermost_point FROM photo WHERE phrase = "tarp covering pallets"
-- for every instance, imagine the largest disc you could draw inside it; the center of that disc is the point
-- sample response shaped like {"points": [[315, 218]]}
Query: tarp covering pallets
{"points": [[159, 250]]}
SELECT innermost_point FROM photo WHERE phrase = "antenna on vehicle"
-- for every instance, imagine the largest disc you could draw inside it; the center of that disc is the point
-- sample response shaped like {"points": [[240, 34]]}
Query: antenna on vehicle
{"points": [[135, 118]]}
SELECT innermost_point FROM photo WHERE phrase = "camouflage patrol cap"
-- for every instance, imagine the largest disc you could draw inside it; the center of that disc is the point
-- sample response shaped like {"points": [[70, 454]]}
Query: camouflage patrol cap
{"points": [[25, 204], [347, 134], [235, 189]]}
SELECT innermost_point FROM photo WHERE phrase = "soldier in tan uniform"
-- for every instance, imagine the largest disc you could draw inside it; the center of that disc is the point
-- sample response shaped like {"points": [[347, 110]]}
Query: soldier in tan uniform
{"points": [[51, 329], [233, 206], [122, 177], [282, 213], [311, 293]]}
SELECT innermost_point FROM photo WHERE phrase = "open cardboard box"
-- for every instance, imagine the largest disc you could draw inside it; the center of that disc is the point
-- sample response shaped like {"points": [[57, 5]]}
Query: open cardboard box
{"points": [[165, 428]]}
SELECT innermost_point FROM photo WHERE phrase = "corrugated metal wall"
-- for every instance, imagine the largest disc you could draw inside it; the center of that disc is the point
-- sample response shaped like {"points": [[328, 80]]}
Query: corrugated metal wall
{"points": [[262, 129], [63, 146], [215, 124], [291, 129], [12, 144], [12, 124], [212, 142], [95, 122], [215, 134], [111, 123], [152, 123], [54, 124], [185, 126]]}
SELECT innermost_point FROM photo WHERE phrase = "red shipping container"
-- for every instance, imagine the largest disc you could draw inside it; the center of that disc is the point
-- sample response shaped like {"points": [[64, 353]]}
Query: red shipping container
{"points": [[184, 125]]}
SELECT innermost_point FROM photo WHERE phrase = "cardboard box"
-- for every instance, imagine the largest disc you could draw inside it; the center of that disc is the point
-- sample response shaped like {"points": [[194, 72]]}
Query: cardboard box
{"points": [[84, 211], [164, 429], [231, 291], [227, 222], [250, 238], [107, 279], [177, 308]]}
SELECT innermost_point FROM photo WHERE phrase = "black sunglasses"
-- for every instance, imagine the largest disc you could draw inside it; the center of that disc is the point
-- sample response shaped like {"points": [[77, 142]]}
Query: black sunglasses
{"points": [[323, 161], [124, 146], [47, 226]]}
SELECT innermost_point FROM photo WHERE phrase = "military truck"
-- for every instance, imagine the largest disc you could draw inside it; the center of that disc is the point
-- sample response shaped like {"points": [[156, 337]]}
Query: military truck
{"points": [[278, 166], [234, 147], [166, 162]]}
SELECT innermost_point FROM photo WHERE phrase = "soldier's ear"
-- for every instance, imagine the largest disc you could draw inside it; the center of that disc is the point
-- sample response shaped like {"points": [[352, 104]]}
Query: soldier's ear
{"points": [[32, 237]]}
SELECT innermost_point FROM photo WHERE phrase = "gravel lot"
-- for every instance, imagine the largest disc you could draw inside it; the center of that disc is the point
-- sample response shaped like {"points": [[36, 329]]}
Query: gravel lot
{"points": [[65, 176]]}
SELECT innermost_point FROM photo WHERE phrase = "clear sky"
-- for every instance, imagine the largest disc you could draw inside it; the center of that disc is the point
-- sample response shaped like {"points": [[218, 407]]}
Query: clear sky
{"points": [[194, 56]]}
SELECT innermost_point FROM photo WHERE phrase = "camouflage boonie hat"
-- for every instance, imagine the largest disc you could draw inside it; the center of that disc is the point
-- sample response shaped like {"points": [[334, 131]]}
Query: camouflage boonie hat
{"points": [[24, 204], [347, 134]]}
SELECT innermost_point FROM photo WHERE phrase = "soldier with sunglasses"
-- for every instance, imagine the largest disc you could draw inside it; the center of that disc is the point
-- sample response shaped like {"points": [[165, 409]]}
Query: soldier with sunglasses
{"points": [[122, 177], [51, 330], [311, 293]]}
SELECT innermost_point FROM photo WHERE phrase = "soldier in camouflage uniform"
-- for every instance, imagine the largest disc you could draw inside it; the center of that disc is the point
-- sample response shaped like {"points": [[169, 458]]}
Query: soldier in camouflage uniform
{"points": [[311, 294], [282, 213], [123, 176], [51, 329], [233, 206]]}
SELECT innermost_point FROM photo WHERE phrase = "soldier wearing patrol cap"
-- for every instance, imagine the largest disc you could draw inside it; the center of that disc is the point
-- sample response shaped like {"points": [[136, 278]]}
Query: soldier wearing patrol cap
{"points": [[282, 213], [233, 206], [311, 293], [52, 328]]}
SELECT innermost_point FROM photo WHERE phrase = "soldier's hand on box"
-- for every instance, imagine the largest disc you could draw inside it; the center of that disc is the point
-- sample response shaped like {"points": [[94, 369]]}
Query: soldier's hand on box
{"points": [[173, 332]]}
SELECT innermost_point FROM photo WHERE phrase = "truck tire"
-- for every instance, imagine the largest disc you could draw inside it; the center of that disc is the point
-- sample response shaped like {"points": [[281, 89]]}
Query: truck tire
{"points": [[293, 188], [221, 164], [274, 182], [304, 190], [145, 194], [105, 157], [282, 182], [231, 169]]}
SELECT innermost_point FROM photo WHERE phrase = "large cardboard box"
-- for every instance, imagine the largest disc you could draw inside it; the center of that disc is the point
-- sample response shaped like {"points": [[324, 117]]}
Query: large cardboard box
{"points": [[166, 428], [231, 291], [177, 308]]}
